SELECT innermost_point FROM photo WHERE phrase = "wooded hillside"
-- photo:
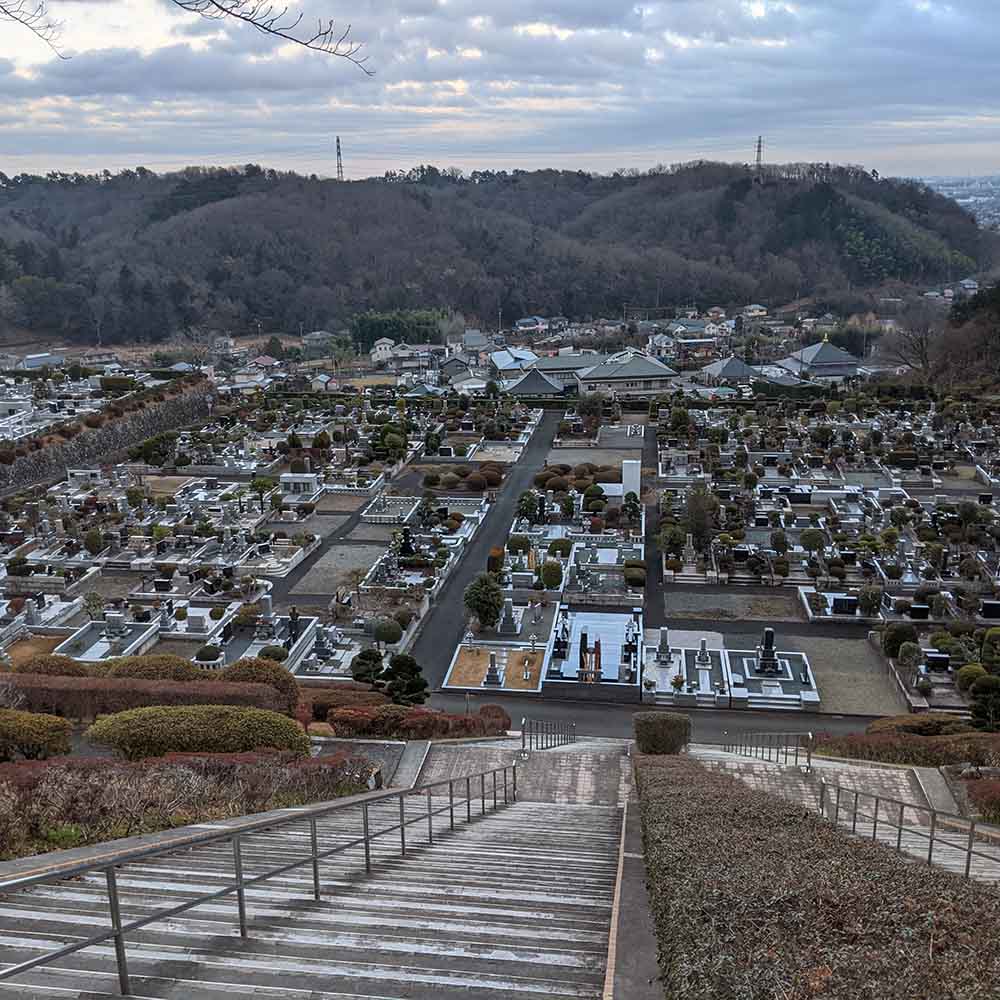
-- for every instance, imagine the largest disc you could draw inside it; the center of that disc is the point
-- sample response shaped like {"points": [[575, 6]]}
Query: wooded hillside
{"points": [[138, 256]]}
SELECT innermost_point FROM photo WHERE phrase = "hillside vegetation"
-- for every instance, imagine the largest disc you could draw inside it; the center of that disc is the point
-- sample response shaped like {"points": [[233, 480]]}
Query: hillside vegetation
{"points": [[138, 256]]}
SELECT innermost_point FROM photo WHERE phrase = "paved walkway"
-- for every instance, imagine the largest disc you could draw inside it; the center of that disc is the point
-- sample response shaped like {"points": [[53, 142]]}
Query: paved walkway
{"points": [[445, 622]]}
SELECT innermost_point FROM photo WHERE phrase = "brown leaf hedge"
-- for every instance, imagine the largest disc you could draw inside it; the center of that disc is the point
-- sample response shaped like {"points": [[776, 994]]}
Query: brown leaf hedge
{"points": [[755, 898]]}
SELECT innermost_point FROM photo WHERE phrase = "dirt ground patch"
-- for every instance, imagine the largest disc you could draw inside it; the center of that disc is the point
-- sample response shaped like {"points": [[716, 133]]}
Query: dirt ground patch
{"points": [[711, 605], [345, 503], [332, 571], [596, 456], [374, 532], [37, 645], [166, 485]]}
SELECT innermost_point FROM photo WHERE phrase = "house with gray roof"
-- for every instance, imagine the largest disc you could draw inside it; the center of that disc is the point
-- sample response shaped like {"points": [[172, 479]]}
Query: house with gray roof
{"points": [[533, 383], [731, 370], [562, 367], [628, 373], [821, 361], [511, 360]]}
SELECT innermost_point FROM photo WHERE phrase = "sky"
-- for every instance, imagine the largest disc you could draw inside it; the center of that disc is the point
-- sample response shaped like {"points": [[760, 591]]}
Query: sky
{"points": [[908, 87]]}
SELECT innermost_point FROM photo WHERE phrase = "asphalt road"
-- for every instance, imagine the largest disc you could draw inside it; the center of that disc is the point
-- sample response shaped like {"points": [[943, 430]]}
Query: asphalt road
{"points": [[707, 725], [446, 620]]}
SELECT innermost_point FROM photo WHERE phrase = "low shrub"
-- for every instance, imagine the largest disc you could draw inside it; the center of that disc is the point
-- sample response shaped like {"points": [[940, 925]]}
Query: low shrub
{"points": [[661, 732], [74, 802], [277, 653], [895, 635], [31, 735], [154, 667], [153, 732], [259, 670], [854, 920], [920, 724], [982, 749], [322, 701], [53, 665], [89, 697], [984, 795], [402, 722], [635, 577], [207, 654], [966, 676]]}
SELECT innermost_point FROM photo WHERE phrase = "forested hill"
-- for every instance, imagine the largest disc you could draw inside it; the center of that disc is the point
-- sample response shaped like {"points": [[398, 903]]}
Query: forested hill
{"points": [[138, 255]]}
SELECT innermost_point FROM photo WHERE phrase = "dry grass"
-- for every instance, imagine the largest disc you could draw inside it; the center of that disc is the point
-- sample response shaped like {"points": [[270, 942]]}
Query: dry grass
{"points": [[37, 645], [471, 666], [165, 485]]}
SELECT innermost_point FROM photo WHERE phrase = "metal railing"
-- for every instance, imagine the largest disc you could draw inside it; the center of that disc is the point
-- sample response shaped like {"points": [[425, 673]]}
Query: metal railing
{"points": [[539, 734], [943, 830], [778, 748], [484, 792]]}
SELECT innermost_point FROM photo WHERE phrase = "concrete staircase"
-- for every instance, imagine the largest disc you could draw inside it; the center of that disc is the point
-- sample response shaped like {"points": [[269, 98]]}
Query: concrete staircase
{"points": [[516, 904]]}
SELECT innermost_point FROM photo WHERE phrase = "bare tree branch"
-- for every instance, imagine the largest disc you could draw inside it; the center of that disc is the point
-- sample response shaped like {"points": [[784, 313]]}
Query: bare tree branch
{"points": [[32, 14], [262, 15]]}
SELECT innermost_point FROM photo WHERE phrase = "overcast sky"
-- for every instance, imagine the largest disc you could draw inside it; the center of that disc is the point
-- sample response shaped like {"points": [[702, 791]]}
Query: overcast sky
{"points": [[910, 87]]}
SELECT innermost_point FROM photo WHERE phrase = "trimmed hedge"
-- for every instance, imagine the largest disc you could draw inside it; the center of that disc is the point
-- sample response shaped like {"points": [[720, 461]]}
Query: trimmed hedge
{"points": [[401, 722], [153, 732], [798, 909], [89, 697], [348, 694], [257, 670], [77, 801], [154, 667], [31, 735], [54, 665], [984, 795], [920, 724], [982, 749], [661, 732]]}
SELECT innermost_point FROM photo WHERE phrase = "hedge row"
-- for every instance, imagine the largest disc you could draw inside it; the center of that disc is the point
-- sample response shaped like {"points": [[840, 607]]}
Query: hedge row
{"points": [[89, 697], [756, 898], [984, 795], [661, 732], [982, 749], [32, 736], [348, 694], [153, 732], [166, 667], [72, 802], [400, 722]]}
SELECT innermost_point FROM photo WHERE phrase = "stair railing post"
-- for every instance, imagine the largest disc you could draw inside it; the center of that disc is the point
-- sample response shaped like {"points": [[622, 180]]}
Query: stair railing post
{"points": [[515, 782], [968, 847], [482, 794], [121, 959], [930, 845], [494, 791], [451, 804], [854, 815], [574, 732], [875, 820], [468, 800], [367, 838], [241, 899], [505, 786], [524, 735], [836, 812], [822, 799], [402, 825], [314, 844], [899, 830], [430, 818]]}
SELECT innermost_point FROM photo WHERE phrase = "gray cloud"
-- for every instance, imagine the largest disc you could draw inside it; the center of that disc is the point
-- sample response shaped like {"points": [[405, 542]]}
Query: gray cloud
{"points": [[906, 85]]}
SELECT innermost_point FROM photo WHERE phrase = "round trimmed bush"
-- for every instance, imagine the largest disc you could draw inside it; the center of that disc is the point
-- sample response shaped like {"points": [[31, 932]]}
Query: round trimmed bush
{"points": [[52, 665], [216, 614], [277, 653], [207, 654], [661, 732], [968, 675], [431, 479], [258, 670], [449, 481], [560, 547], [32, 735], [557, 485], [155, 667], [475, 482], [492, 477], [153, 732]]}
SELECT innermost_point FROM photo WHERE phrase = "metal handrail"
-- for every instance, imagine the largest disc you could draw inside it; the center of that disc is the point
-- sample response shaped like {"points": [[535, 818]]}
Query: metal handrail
{"points": [[107, 863], [541, 734], [774, 747], [831, 794]]}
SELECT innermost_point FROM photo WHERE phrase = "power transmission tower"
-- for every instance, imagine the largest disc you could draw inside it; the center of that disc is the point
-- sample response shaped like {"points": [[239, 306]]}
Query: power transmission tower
{"points": [[760, 152], [340, 162]]}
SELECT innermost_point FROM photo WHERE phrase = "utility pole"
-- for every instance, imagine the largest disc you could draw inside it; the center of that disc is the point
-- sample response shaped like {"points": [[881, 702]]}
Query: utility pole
{"points": [[340, 162]]}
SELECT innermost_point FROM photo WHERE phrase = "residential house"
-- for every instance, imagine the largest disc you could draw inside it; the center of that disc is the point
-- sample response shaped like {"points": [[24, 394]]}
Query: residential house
{"points": [[50, 359], [322, 382], [381, 351], [534, 383], [562, 367], [510, 361], [628, 373], [728, 371], [821, 361]]}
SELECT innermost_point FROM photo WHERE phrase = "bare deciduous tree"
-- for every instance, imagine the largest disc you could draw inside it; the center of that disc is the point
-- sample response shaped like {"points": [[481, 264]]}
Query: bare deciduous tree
{"points": [[914, 344], [261, 15]]}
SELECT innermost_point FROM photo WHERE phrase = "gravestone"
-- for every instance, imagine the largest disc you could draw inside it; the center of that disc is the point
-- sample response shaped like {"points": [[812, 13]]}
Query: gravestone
{"points": [[493, 678], [508, 623], [920, 612], [767, 656], [845, 605]]}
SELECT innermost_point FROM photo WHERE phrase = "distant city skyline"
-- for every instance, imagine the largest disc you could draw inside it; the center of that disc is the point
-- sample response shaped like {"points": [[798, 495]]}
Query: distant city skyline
{"points": [[903, 86]]}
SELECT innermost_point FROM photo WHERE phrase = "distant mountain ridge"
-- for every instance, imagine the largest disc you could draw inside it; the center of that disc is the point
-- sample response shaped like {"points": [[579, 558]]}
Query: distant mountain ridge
{"points": [[137, 255]]}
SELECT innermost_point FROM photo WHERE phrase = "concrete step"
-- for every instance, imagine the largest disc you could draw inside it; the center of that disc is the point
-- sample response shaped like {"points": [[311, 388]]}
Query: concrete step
{"points": [[515, 904]]}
